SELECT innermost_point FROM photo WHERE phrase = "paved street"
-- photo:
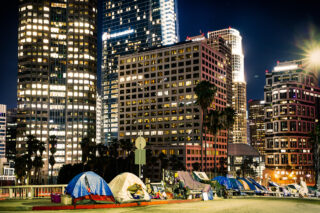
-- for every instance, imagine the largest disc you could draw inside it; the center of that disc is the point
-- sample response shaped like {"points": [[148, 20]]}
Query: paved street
{"points": [[228, 206]]}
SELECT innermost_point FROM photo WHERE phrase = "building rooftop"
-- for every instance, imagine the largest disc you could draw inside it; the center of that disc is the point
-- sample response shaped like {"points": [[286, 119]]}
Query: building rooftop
{"points": [[237, 149]]}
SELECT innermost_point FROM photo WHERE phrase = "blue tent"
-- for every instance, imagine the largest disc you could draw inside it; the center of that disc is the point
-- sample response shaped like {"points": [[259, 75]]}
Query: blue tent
{"points": [[223, 181], [89, 186], [236, 185], [252, 187], [257, 184]]}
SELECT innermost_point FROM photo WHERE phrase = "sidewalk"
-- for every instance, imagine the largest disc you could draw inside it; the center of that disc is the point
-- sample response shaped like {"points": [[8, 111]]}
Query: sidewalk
{"points": [[45, 204]]}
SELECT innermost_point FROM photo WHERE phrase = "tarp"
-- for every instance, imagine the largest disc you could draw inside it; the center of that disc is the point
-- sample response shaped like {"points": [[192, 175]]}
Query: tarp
{"points": [[303, 191], [257, 184], [244, 184], [200, 176], [192, 184], [223, 181], [89, 186], [273, 184], [127, 187], [236, 185], [252, 187]]}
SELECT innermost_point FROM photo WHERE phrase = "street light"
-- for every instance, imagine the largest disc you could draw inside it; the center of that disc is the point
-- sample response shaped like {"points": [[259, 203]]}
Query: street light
{"points": [[313, 56]]}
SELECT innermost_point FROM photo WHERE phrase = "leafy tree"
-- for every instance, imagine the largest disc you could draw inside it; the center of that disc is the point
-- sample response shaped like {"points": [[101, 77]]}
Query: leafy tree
{"points": [[247, 169], [126, 146], [69, 171], [222, 164], [20, 168], [315, 140], [196, 166], [102, 150], [205, 92], [88, 148], [163, 161], [53, 143], [175, 163]]}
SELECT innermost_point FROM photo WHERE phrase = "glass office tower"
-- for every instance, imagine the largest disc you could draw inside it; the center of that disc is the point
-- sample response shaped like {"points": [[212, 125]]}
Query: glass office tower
{"points": [[239, 85], [129, 26], [57, 65]]}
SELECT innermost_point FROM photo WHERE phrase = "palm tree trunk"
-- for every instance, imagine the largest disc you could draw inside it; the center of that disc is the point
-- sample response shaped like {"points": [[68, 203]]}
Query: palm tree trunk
{"points": [[52, 174], [228, 135], [215, 154], [205, 149], [317, 175], [201, 140]]}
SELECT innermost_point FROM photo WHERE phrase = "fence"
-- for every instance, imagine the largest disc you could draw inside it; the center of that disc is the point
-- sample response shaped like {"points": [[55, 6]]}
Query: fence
{"points": [[30, 191]]}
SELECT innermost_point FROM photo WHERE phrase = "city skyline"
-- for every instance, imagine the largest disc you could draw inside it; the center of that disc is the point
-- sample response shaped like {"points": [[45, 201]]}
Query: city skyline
{"points": [[271, 26]]}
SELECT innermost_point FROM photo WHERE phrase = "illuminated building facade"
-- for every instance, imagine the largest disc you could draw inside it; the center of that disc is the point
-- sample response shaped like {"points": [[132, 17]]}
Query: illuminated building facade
{"points": [[11, 134], [57, 54], [3, 118], [291, 94], [99, 122], [129, 26], [239, 90], [256, 125], [156, 96]]}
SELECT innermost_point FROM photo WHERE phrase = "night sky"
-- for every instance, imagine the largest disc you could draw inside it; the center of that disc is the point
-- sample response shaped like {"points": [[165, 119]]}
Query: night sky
{"points": [[270, 30]]}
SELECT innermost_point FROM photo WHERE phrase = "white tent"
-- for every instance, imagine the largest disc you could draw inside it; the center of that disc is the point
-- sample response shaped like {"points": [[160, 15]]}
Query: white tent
{"points": [[119, 187]]}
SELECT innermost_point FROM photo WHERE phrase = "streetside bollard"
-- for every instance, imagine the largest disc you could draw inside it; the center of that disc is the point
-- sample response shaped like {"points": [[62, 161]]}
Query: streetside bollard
{"points": [[10, 193]]}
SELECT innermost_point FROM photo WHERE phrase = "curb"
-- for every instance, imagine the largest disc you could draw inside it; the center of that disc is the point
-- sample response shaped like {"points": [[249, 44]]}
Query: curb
{"points": [[107, 206]]}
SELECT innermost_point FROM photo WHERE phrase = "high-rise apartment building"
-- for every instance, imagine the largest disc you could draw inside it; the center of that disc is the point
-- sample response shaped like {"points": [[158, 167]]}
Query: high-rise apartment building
{"points": [[57, 66], [129, 26], [99, 121], [156, 96], [3, 118], [11, 134], [291, 95], [256, 125], [239, 90]]}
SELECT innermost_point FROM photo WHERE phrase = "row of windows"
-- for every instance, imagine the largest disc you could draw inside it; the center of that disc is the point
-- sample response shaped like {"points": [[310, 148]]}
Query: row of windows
{"points": [[294, 159], [291, 126]]}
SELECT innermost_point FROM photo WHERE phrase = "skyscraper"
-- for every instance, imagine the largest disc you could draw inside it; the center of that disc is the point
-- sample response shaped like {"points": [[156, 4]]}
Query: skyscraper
{"points": [[129, 26], [156, 96], [291, 95], [99, 121], [11, 134], [256, 125], [3, 118], [57, 54], [239, 90]]}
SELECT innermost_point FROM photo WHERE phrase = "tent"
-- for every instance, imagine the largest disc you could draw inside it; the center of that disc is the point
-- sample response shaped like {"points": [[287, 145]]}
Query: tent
{"points": [[200, 176], [192, 184], [89, 186], [236, 185], [244, 184], [257, 184], [252, 187], [127, 187], [223, 181]]}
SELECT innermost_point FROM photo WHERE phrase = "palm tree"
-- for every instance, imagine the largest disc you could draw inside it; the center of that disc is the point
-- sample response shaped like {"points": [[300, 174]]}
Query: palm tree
{"points": [[315, 139], [20, 168], [214, 124], [205, 92], [32, 147], [126, 146], [53, 143], [228, 121]]}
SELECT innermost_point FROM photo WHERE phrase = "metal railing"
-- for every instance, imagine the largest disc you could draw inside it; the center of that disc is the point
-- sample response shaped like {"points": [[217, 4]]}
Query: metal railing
{"points": [[30, 191]]}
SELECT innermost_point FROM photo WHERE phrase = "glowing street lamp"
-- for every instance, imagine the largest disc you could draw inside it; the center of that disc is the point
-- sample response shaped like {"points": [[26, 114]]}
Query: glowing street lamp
{"points": [[313, 57]]}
